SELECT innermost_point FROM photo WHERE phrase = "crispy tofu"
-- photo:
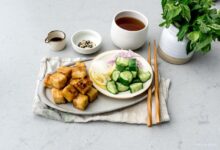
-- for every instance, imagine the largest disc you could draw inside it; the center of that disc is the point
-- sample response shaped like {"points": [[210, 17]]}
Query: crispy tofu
{"points": [[65, 70], [47, 81], [80, 64], [58, 80], [83, 85], [69, 92], [74, 81], [78, 72], [58, 96], [81, 102], [92, 94]]}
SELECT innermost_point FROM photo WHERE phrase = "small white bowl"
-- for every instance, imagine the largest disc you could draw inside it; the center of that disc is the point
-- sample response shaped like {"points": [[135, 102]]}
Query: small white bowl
{"points": [[86, 35]]}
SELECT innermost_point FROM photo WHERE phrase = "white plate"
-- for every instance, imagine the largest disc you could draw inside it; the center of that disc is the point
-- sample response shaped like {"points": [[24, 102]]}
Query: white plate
{"points": [[107, 57], [102, 104]]}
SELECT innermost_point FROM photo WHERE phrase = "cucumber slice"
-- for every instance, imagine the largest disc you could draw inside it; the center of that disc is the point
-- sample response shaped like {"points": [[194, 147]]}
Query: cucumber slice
{"points": [[125, 77], [120, 67], [115, 75], [134, 74], [132, 64], [111, 87], [136, 80], [121, 87], [136, 87], [122, 61], [144, 76]]}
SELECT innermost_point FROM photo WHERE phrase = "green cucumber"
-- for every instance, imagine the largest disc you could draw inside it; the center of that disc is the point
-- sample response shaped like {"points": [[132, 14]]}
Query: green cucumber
{"points": [[134, 87], [136, 80], [132, 64], [111, 87], [121, 63], [121, 87], [144, 76], [115, 75], [134, 74], [125, 77]]}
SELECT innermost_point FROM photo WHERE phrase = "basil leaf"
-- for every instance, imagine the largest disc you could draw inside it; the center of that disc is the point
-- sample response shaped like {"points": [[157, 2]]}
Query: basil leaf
{"points": [[201, 44], [215, 26], [193, 36], [173, 11], [182, 32], [186, 12]]}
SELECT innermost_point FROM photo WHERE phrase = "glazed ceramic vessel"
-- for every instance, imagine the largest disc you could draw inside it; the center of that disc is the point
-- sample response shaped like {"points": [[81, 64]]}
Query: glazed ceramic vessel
{"points": [[56, 45], [172, 50], [126, 39]]}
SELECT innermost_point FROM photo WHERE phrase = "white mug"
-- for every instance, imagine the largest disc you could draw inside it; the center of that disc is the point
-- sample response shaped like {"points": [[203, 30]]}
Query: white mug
{"points": [[56, 40], [126, 39]]}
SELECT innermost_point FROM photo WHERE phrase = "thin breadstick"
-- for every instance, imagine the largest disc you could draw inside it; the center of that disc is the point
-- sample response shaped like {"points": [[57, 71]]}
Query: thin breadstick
{"points": [[149, 93], [157, 96]]}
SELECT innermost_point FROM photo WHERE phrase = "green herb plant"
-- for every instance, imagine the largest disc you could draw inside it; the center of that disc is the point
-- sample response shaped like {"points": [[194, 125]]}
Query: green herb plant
{"points": [[196, 20]]}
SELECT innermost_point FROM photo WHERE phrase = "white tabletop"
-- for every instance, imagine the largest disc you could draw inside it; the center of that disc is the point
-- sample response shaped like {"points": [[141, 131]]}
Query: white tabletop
{"points": [[194, 101]]}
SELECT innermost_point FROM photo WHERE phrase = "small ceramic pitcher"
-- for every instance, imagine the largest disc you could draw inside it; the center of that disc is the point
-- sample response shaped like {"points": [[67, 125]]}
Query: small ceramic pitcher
{"points": [[56, 40]]}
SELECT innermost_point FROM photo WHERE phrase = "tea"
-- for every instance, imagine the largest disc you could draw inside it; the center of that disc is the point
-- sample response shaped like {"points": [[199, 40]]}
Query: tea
{"points": [[129, 23]]}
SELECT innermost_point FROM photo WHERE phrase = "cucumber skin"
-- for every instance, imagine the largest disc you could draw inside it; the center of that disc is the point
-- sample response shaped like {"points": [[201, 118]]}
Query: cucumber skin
{"points": [[124, 82], [115, 87], [132, 64], [119, 85], [114, 72], [134, 74], [120, 67], [144, 76], [122, 61], [132, 88]]}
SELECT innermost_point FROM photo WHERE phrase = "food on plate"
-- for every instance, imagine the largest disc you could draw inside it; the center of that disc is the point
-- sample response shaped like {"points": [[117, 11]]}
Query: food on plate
{"points": [[65, 70], [92, 94], [81, 102], [71, 84], [58, 96], [127, 75], [79, 71], [69, 92], [58, 80], [83, 85], [47, 81]]}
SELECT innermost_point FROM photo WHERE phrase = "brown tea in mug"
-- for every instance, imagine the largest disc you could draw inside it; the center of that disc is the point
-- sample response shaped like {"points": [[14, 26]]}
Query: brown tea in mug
{"points": [[129, 23]]}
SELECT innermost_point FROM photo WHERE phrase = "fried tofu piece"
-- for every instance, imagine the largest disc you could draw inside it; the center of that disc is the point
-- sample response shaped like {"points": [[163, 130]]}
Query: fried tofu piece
{"points": [[83, 85], [47, 81], [81, 102], [92, 94], [80, 64], [69, 92], [78, 72], [74, 81], [65, 70], [58, 96], [58, 80]]}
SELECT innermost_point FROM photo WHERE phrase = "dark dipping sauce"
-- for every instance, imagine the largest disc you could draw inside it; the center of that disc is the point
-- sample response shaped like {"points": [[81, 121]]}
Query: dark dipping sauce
{"points": [[56, 39], [129, 23]]}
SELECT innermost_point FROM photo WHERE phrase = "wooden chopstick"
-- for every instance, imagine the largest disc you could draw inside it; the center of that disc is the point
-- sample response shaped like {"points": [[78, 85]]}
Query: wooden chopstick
{"points": [[156, 93], [149, 92]]}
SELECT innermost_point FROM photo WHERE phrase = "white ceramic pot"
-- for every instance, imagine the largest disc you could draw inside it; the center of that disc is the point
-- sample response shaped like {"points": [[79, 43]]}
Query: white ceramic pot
{"points": [[172, 50], [126, 39]]}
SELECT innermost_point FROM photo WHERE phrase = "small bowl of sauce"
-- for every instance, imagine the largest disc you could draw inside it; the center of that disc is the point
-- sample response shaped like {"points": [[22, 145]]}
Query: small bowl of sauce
{"points": [[56, 40], [129, 29], [86, 41]]}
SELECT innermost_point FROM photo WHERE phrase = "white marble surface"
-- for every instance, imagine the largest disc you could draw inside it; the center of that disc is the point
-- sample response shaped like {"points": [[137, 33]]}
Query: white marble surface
{"points": [[194, 98]]}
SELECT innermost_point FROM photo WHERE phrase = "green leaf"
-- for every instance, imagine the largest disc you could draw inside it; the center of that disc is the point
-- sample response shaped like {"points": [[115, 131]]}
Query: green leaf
{"points": [[182, 32], [188, 48], [186, 12], [163, 2], [172, 11], [201, 44], [193, 36], [215, 26]]}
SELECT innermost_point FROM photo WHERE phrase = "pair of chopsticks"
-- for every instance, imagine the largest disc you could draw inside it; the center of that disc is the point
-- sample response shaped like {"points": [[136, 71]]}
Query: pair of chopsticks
{"points": [[156, 92]]}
